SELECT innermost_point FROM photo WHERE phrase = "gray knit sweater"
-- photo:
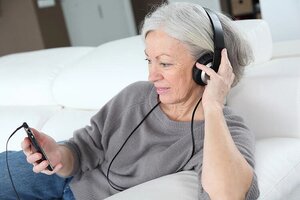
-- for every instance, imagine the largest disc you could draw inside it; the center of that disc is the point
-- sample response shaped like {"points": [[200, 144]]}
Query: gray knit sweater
{"points": [[158, 147]]}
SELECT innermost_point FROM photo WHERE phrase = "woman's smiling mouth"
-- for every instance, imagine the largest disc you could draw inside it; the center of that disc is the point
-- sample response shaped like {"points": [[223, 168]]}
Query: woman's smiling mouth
{"points": [[162, 90]]}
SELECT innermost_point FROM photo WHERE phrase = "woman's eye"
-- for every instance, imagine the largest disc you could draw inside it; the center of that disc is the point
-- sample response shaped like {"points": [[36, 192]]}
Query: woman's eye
{"points": [[165, 64], [149, 61]]}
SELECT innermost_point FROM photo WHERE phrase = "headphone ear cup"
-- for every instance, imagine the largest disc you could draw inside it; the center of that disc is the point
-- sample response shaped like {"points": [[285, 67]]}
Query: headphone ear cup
{"points": [[199, 76]]}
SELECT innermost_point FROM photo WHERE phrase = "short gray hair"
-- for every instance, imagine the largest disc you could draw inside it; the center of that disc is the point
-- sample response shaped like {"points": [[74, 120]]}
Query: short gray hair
{"points": [[190, 24]]}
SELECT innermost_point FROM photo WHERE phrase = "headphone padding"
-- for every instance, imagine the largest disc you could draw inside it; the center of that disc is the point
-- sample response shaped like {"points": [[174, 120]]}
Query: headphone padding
{"points": [[204, 60]]}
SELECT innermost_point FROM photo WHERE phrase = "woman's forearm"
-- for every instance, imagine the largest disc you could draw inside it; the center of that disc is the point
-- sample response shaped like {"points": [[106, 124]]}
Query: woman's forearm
{"points": [[225, 173]]}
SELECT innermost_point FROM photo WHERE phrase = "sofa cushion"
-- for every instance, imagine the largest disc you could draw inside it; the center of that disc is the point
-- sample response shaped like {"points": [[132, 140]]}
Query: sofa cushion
{"points": [[178, 186], [63, 123], [278, 167], [96, 78], [268, 98], [258, 34], [26, 78]]}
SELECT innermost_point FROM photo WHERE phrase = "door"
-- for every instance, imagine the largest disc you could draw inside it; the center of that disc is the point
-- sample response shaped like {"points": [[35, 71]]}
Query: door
{"points": [[93, 22]]}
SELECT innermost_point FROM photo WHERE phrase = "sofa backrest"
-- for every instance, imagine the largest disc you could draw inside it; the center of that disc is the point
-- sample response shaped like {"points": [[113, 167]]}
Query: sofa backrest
{"points": [[93, 80], [27, 78], [268, 98]]}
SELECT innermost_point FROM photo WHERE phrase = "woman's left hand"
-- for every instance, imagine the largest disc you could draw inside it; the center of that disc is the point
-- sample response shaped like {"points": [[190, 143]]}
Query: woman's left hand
{"points": [[218, 84]]}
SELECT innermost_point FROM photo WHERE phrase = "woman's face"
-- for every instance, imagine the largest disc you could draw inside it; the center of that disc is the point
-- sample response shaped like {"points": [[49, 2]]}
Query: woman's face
{"points": [[170, 68]]}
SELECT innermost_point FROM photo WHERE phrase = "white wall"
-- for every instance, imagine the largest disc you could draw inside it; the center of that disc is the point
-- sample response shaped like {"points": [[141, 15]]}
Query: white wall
{"points": [[283, 18]]}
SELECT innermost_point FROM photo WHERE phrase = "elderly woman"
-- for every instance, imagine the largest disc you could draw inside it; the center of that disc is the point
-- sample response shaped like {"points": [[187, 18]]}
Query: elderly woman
{"points": [[155, 128]]}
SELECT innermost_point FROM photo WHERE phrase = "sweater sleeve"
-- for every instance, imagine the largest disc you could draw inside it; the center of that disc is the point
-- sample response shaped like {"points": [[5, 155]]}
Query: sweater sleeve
{"points": [[245, 142], [244, 139], [86, 144]]}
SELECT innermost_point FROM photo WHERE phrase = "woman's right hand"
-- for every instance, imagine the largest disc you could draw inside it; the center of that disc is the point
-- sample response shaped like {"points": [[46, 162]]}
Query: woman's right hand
{"points": [[50, 147]]}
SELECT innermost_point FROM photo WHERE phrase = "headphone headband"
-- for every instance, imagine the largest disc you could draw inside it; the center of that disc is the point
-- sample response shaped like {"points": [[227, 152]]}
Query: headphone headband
{"points": [[218, 37], [211, 60]]}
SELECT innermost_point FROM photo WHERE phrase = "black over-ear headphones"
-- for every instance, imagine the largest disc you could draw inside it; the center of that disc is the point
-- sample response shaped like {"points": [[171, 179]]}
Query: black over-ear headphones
{"points": [[211, 60]]}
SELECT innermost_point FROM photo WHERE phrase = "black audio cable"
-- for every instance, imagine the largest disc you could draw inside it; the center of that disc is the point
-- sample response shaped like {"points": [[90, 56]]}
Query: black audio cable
{"points": [[192, 129], [192, 135], [120, 188], [113, 185], [7, 165]]}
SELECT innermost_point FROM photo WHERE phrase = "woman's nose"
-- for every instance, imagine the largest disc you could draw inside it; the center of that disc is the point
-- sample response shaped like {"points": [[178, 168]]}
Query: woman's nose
{"points": [[154, 73]]}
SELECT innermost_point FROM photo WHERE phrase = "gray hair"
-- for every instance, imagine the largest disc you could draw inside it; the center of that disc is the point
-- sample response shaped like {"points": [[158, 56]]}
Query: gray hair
{"points": [[190, 24]]}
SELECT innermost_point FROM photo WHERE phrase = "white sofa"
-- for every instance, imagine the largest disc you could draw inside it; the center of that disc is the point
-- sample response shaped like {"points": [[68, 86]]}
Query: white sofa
{"points": [[58, 90]]}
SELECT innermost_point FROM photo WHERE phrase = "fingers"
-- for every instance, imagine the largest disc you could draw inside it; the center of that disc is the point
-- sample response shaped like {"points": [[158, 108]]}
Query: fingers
{"points": [[209, 71], [34, 158], [26, 146], [55, 170], [42, 168], [224, 58], [225, 69]]}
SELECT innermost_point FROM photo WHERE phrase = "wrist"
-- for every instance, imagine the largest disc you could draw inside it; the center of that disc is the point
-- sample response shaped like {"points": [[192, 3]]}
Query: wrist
{"points": [[213, 107], [67, 160]]}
